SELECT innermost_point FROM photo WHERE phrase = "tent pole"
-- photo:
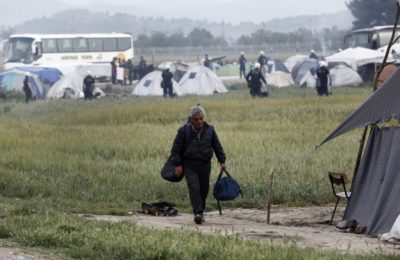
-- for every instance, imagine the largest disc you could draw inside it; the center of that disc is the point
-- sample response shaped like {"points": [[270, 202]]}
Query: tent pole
{"points": [[360, 150], [393, 39]]}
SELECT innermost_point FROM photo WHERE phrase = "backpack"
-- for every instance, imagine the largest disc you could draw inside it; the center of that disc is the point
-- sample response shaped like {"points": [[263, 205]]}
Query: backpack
{"points": [[225, 189], [168, 170]]}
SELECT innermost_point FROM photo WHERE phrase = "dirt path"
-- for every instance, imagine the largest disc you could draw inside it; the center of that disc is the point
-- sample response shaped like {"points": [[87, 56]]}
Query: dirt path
{"points": [[305, 227], [10, 251]]}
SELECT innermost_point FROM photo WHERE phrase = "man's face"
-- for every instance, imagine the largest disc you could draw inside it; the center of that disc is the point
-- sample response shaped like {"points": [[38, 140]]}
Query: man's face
{"points": [[197, 120]]}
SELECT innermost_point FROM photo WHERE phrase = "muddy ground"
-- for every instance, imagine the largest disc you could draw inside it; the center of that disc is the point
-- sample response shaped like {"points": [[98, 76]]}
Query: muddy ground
{"points": [[305, 227]]}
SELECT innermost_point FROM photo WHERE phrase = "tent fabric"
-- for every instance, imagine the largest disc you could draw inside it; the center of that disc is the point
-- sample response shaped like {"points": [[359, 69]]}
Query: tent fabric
{"points": [[293, 60], [178, 68], [381, 106], [343, 75], [69, 86], [374, 200], [357, 56], [301, 69], [46, 75], [13, 79], [150, 85], [200, 80], [279, 79]]}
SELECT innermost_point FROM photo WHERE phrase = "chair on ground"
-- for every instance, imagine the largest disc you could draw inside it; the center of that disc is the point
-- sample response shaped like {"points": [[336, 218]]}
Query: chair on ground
{"points": [[338, 183]]}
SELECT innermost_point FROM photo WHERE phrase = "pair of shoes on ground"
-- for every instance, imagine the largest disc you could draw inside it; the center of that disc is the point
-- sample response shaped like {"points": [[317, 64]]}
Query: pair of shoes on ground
{"points": [[352, 225], [198, 219]]}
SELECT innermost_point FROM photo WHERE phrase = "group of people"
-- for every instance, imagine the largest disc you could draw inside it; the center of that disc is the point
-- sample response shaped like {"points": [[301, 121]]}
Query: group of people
{"points": [[123, 71]]}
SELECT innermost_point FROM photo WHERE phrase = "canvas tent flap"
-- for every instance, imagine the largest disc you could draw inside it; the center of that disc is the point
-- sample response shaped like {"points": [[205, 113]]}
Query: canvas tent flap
{"points": [[381, 106], [150, 85], [375, 194]]}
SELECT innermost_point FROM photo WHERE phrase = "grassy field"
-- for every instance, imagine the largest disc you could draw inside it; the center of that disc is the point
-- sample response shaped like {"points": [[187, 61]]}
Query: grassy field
{"points": [[61, 157]]}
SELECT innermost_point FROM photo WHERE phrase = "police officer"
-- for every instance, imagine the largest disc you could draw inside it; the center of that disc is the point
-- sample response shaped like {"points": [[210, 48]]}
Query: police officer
{"points": [[88, 86], [242, 65], [255, 78], [166, 82]]}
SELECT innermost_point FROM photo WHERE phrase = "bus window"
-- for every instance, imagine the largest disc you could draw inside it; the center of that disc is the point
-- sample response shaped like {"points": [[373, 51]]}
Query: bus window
{"points": [[65, 45], [19, 50], [80, 45], [49, 45], [110, 44], [95, 45], [384, 37], [124, 44]]}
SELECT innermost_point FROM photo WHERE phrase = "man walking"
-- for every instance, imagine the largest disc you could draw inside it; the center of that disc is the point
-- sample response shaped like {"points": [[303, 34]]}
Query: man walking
{"points": [[191, 152]]}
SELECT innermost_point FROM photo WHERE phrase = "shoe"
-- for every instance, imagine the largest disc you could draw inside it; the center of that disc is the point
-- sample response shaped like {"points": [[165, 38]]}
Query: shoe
{"points": [[360, 229], [345, 224], [198, 219]]}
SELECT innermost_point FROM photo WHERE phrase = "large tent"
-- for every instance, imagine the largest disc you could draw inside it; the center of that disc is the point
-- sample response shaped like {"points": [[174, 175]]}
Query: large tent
{"points": [[12, 79], [150, 85], [301, 69], [293, 60], [341, 75], [374, 201], [200, 80], [277, 74], [358, 56], [69, 86]]}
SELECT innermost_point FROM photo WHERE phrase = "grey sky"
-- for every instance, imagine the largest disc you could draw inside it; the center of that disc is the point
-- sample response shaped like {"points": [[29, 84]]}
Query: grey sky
{"points": [[227, 10]]}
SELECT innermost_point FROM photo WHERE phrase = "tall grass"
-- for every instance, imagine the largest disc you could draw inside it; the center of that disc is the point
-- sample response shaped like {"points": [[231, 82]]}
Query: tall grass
{"points": [[104, 156], [111, 150]]}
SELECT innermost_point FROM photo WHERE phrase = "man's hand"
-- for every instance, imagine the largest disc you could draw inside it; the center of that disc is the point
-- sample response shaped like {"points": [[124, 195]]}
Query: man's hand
{"points": [[178, 171], [223, 166]]}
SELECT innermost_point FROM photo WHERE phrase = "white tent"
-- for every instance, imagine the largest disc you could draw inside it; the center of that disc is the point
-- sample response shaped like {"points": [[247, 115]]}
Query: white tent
{"points": [[341, 75], [293, 60], [150, 85], [279, 79], [200, 80], [69, 86], [356, 57], [395, 48]]}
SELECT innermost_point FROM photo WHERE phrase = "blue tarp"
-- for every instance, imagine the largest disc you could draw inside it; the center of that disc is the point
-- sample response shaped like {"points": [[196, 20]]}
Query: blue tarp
{"points": [[46, 75]]}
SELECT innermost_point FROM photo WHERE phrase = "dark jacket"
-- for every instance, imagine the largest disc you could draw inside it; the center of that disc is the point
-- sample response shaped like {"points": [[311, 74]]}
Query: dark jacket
{"points": [[255, 78], [166, 78], [187, 146]]}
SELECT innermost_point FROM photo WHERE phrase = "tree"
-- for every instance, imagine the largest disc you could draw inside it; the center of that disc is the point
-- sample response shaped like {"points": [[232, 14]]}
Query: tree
{"points": [[372, 12]]}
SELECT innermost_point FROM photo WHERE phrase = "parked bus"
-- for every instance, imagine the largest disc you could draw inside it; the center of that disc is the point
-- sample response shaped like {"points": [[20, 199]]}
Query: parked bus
{"points": [[53, 49], [372, 38]]}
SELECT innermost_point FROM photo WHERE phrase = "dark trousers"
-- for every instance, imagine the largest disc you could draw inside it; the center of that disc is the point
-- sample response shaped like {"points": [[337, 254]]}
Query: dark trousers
{"points": [[197, 174], [28, 96], [242, 72], [167, 89], [255, 91]]}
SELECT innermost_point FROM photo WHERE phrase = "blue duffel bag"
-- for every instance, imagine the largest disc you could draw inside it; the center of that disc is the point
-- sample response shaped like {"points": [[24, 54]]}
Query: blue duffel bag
{"points": [[225, 189]]}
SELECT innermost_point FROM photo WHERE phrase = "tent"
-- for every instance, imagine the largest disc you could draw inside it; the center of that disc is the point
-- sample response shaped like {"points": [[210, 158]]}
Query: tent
{"points": [[13, 79], [358, 56], [69, 86], [150, 85], [394, 50], [293, 60], [374, 201], [341, 75], [178, 68], [301, 69], [200, 80], [46, 75], [277, 74]]}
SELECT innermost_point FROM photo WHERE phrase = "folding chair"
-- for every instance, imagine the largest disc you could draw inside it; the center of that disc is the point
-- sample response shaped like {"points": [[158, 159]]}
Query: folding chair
{"points": [[338, 183]]}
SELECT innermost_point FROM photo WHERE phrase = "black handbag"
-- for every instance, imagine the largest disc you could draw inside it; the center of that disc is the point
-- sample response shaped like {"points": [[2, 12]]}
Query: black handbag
{"points": [[225, 189], [168, 171]]}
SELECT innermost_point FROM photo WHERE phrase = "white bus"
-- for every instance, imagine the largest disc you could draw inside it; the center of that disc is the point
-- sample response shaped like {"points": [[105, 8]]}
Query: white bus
{"points": [[54, 49]]}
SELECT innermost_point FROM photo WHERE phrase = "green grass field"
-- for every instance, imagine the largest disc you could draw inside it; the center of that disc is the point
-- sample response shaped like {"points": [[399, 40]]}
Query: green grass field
{"points": [[62, 157]]}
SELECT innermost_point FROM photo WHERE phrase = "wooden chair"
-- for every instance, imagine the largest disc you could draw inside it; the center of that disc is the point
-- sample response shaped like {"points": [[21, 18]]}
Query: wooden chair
{"points": [[338, 183]]}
